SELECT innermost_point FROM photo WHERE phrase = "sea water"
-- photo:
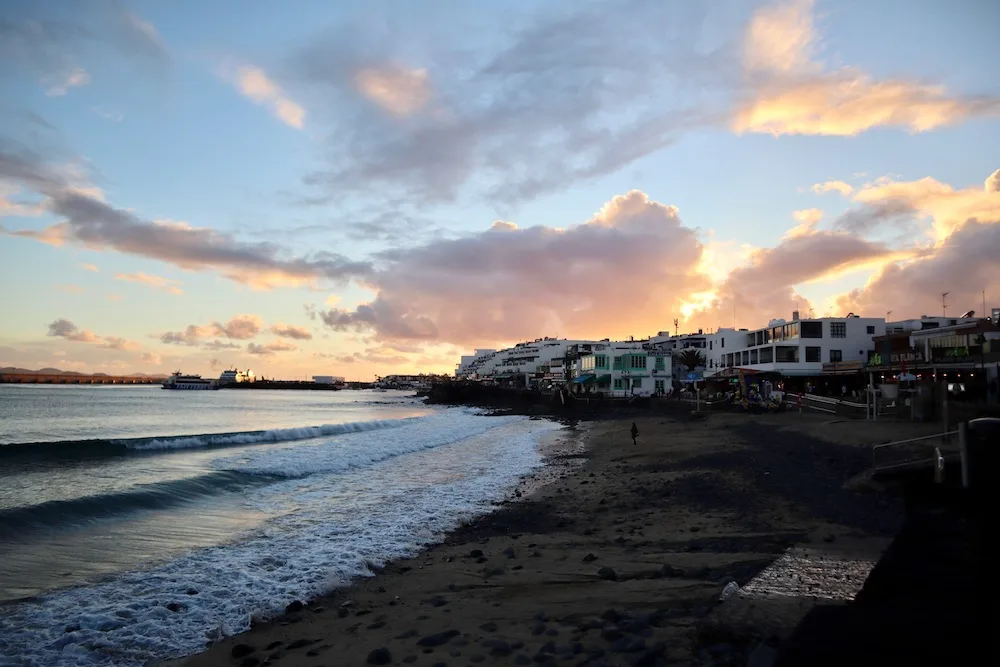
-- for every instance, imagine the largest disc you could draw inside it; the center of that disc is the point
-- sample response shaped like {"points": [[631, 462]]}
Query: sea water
{"points": [[138, 524]]}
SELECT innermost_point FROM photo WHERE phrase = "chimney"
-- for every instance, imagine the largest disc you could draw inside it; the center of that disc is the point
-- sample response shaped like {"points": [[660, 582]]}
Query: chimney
{"points": [[795, 315], [699, 330]]}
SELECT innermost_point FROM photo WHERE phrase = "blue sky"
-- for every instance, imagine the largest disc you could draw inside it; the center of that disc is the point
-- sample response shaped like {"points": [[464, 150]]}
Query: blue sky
{"points": [[378, 143]]}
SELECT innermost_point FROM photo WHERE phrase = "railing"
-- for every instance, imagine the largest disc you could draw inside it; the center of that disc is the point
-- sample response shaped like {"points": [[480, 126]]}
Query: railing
{"points": [[914, 452]]}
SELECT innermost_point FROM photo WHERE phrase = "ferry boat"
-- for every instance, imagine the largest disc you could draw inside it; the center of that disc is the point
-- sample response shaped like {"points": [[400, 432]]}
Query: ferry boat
{"points": [[179, 381]]}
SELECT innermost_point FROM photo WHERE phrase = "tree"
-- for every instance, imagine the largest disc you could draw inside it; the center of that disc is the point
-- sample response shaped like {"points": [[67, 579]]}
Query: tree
{"points": [[691, 359]]}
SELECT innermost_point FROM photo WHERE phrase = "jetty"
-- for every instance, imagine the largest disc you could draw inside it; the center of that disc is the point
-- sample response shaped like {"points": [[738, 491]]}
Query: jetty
{"points": [[74, 378]]}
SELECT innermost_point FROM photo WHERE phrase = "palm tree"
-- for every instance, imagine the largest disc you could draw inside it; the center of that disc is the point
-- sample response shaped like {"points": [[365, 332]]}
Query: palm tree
{"points": [[691, 359]]}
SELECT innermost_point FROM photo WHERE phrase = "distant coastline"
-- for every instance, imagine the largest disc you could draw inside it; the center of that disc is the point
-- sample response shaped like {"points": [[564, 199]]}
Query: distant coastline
{"points": [[13, 375]]}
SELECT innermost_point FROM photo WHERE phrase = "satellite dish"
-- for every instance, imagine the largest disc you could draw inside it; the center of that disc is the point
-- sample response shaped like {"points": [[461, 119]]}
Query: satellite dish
{"points": [[969, 313]]}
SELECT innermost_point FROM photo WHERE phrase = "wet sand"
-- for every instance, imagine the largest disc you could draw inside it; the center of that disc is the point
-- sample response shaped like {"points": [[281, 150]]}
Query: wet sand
{"points": [[618, 555]]}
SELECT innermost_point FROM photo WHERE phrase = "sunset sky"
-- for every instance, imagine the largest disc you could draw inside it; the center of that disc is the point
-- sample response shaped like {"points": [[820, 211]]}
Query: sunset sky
{"points": [[362, 188]]}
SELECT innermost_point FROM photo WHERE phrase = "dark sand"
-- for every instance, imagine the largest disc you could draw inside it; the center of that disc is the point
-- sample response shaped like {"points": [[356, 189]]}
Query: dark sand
{"points": [[621, 558]]}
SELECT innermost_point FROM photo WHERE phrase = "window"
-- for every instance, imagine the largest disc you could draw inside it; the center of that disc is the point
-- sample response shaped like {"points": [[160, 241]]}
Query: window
{"points": [[659, 363], [766, 355], [601, 361], [838, 330], [659, 387], [723, 342], [746, 358], [638, 361], [636, 383], [618, 363], [786, 354], [618, 383], [870, 329], [814, 354], [710, 345], [753, 357], [836, 355], [812, 329]]}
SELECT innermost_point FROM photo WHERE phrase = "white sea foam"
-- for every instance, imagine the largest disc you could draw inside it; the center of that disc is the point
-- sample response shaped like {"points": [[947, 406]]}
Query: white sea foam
{"points": [[393, 492], [272, 435]]}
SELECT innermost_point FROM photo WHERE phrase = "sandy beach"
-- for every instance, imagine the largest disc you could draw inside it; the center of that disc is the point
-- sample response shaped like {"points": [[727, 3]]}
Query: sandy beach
{"points": [[618, 554]]}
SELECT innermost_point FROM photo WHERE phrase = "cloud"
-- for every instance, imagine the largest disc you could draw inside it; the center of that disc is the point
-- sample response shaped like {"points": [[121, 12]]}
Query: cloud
{"points": [[510, 284], [73, 79], [156, 282], [152, 358], [765, 287], [93, 268], [566, 97], [963, 265], [886, 201], [220, 345], [50, 49], [70, 289], [833, 186], [109, 114], [808, 218], [63, 328], [90, 222], [291, 331], [395, 88], [993, 182], [270, 348], [254, 83], [793, 94], [239, 327]]}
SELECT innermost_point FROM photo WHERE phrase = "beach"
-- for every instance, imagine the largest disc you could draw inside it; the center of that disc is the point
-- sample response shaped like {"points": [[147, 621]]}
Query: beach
{"points": [[618, 554]]}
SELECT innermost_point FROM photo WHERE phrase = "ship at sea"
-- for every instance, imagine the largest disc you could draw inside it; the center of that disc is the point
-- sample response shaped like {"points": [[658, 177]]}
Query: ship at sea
{"points": [[180, 381]]}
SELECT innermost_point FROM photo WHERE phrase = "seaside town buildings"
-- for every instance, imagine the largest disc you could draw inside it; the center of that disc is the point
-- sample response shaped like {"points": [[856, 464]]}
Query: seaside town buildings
{"points": [[825, 351]]}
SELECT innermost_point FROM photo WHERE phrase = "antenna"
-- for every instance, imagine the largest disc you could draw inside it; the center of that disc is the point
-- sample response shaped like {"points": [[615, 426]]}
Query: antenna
{"points": [[944, 304], [887, 314], [675, 326]]}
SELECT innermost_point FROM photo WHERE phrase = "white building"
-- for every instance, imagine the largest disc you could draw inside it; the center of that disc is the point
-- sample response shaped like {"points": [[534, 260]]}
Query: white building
{"points": [[626, 368], [524, 359], [328, 379], [796, 348], [678, 345]]}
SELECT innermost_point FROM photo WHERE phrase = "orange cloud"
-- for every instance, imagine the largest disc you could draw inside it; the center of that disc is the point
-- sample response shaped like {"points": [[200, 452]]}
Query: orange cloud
{"points": [[793, 94], [808, 219], [254, 83], [156, 282], [398, 90], [623, 272]]}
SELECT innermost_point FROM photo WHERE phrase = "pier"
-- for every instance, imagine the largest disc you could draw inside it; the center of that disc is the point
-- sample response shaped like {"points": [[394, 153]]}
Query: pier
{"points": [[70, 378]]}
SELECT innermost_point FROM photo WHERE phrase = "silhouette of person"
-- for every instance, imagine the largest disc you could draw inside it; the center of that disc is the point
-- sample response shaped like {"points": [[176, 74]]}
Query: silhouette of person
{"points": [[634, 432]]}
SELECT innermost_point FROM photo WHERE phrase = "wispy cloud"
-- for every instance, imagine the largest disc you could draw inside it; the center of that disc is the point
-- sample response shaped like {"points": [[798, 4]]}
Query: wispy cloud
{"points": [[109, 114], [254, 83], [290, 331], [90, 222], [397, 89], [156, 282], [93, 268], [270, 348], [74, 79], [70, 289]]}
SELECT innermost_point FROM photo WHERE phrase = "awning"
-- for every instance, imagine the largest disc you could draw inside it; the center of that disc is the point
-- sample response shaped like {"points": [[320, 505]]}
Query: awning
{"points": [[584, 379], [604, 379]]}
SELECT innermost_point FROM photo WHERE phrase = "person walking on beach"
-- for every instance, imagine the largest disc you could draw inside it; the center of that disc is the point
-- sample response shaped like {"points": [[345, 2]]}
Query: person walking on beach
{"points": [[634, 432]]}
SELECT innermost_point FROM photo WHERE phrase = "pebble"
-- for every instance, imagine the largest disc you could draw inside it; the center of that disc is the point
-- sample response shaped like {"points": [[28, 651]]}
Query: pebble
{"points": [[274, 645], [589, 558], [380, 656], [312, 653], [509, 552], [607, 573], [301, 643], [538, 629], [488, 627], [437, 601], [476, 553], [294, 607]]}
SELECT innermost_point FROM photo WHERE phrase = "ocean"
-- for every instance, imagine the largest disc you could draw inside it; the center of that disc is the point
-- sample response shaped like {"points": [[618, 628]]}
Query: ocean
{"points": [[139, 524]]}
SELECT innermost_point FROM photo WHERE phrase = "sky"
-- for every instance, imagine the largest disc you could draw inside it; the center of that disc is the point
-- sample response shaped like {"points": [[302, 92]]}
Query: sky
{"points": [[366, 188]]}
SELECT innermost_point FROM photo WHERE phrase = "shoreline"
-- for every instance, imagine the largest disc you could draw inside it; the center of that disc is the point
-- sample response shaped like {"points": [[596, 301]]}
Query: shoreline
{"points": [[619, 559]]}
